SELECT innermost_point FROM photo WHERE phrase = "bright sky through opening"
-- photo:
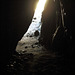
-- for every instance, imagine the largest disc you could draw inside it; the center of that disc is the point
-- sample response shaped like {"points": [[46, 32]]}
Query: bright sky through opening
{"points": [[36, 20], [40, 7]]}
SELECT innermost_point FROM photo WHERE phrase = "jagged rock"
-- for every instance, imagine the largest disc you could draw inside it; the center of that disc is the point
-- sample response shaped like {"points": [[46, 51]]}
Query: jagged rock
{"points": [[26, 47], [36, 33]]}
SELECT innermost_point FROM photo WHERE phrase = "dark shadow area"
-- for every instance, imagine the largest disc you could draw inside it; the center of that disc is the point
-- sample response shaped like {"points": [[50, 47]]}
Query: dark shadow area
{"points": [[16, 16]]}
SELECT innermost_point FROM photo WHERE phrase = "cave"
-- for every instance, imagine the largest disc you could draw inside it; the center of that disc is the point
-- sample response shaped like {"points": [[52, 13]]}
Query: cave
{"points": [[41, 43]]}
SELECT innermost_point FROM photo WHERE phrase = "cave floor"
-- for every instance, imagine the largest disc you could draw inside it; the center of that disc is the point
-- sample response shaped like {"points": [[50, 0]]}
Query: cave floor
{"points": [[33, 59]]}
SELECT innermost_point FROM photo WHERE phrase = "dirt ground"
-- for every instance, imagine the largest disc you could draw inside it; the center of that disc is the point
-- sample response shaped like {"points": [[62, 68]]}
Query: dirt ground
{"points": [[32, 58]]}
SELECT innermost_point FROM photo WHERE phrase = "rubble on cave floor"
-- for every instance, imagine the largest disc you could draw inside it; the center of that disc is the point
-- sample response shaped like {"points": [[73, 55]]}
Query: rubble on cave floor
{"points": [[29, 45], [30, 64], [34, 59]]}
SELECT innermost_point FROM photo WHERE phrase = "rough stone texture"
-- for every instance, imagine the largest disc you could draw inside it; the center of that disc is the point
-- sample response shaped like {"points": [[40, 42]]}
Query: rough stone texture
{"points": [[34, 59], [28, 45]]}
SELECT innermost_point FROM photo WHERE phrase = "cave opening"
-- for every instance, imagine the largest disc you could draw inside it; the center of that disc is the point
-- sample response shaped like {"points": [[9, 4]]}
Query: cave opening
{"points": [[45, 46], [38, 33], [34, 30]]}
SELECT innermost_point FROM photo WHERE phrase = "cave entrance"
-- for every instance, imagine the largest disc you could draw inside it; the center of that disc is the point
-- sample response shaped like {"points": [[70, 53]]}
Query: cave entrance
{"points": [[29, 41], [35, 26]]}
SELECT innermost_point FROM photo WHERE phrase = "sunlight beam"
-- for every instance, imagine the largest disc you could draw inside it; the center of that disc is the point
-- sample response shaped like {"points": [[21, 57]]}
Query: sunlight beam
{"points": [[36, 20], [40, 7]]}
